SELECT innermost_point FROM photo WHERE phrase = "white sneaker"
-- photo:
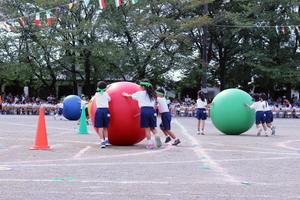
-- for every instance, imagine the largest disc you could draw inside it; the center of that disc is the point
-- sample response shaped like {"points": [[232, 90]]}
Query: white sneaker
{"points": [[259, 131], [273, 130]]}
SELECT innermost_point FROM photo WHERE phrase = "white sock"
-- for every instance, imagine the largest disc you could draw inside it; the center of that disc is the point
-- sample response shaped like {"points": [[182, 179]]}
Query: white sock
{"points": [[149, 142]]}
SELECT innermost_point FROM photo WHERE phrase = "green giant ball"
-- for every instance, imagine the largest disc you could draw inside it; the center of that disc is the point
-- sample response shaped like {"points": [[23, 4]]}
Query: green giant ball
{"points": [[229, 114]]}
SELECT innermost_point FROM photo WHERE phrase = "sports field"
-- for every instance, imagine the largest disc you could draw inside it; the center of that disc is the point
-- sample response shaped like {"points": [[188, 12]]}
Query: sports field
{"points": [[210, 166]]}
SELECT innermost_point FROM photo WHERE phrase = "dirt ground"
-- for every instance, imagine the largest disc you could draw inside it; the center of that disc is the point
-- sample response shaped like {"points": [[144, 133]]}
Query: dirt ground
{"points": [[210, 166]]}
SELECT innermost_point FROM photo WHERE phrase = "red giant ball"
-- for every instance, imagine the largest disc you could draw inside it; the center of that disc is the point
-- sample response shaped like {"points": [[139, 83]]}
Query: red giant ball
{"points": [[124, 125]]}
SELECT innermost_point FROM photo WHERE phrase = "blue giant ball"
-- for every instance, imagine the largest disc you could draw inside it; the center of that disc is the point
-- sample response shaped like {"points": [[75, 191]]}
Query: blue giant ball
{"points": [[229, 114], [72, 107]]}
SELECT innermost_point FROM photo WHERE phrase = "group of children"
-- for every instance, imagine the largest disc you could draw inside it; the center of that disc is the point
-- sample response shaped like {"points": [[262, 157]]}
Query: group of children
{"points": [[264, 114], [146, 98], [149, 100]]}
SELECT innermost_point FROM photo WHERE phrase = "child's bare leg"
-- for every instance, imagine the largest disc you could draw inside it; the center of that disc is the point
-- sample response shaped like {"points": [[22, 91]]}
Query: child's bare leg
{"points": [[264, 127], [153, 130], [105, 133], [258, 129], [148, 135], [157, 138], [198, 124], [100, 133], [203, 124], [163, 130], [269, 125], [170, 133]]}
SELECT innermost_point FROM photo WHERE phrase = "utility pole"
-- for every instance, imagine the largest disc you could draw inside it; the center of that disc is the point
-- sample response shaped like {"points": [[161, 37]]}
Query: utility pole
{"points": [[204, 54]]}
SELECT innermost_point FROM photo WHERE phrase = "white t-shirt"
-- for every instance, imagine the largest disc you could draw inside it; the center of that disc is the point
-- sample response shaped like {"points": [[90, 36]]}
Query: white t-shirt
{"points": [[84, 103], [60, 105], [201, 104], [102, 99], [265, 105], [257, 106], [143, 99], [162, 104]]}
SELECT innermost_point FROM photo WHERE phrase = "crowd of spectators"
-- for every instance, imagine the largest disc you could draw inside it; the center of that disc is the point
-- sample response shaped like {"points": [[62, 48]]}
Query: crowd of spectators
{"points": [[281, 108], [26, 105], [184, 108]]}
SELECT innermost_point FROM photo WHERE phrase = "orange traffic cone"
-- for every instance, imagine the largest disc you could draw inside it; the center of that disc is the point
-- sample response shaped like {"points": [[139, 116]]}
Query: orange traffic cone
{"points": [[41, 142]]}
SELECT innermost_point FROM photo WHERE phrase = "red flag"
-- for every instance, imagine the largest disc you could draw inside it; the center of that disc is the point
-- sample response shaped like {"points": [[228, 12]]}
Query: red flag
{"points": [[22, 21], [37, 19], [48, 15], [102, 4]]}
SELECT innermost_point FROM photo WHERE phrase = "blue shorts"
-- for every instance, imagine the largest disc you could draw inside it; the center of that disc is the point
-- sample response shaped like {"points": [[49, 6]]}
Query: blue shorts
{"points": [[102, 117], [269, 116], [260, 117], [166, 121], [201, 114], [148, 117], [60, 111]]}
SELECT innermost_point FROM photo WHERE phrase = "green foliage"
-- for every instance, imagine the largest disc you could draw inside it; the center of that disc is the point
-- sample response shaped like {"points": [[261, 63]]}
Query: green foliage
{"points": [[151, 39]]}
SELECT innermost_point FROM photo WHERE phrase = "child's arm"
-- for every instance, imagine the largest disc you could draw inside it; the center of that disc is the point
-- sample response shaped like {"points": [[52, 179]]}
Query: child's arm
{"points": [[126, 95], [247, 105], [208, 105]]}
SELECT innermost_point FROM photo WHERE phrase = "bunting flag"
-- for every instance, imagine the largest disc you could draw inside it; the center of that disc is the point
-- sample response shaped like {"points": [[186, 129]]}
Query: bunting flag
{"points": [[22, 21], [71, 5], [86, 2], [118, 3], [13, 27], [102, 4], [277, 30], [48, 15], [60, 8], [292, 30], [5, 25], [37, 19]]}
